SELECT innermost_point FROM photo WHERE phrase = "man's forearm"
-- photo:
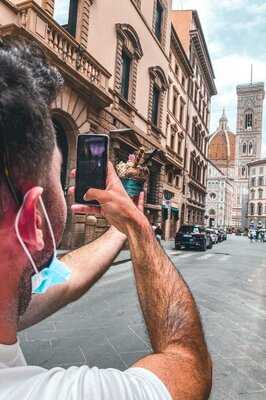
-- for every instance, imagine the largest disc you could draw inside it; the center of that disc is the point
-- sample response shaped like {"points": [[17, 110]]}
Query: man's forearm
{"points": [[168, 306], [87, 265]]}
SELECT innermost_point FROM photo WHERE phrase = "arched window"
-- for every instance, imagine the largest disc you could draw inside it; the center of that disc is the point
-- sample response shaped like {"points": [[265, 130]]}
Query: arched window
{"points": [[252, 208], [252, 193], [212, 196], [250, 148], [260, 209], [128, 53], [244, 148], [248, 120], [212, 212], [243, 171]]}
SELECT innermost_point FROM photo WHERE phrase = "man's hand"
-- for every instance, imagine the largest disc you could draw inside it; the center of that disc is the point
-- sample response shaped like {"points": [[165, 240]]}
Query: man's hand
{"points": [[116, 206]]}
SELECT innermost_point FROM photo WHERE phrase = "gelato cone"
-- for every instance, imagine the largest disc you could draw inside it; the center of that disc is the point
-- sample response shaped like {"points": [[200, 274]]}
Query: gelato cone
{"points": [[133, 173]]}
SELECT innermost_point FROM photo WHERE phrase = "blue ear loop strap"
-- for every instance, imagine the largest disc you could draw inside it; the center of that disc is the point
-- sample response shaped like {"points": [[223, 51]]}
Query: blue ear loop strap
{"points": [[56, 273]]}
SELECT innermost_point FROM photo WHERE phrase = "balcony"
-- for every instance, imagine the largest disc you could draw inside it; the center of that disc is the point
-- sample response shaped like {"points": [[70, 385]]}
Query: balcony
{"points": [[64, 51]]}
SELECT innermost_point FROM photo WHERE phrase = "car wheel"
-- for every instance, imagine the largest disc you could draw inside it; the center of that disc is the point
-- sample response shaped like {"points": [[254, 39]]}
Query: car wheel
{"points": [[204, 246], [210, 246], [177, 247]]}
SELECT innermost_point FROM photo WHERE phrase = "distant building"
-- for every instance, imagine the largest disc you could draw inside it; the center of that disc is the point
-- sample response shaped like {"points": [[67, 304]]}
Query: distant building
{"points": [[219, 201], [257, 194], [233, 153], [221, 150], [250, 99]]}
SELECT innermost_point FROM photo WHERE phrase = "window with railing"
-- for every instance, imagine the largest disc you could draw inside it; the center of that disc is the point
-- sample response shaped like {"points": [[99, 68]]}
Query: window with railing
{"points": [[261, 180], [66, 14]]}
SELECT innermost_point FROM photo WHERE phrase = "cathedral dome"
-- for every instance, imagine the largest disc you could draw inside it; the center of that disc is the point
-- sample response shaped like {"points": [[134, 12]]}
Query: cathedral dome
{"points": [[222, 145]]}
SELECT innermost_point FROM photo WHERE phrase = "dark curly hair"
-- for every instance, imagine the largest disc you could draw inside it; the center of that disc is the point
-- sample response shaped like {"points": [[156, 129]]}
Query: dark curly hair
{"points": [[28, 85]]}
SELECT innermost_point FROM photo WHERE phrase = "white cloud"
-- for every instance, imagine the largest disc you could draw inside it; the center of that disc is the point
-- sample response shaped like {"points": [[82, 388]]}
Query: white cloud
{"points": [[234, 32]]}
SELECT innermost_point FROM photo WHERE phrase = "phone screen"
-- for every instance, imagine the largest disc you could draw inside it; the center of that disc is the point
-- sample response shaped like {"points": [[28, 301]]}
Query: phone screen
{"points": [[92, 159]]}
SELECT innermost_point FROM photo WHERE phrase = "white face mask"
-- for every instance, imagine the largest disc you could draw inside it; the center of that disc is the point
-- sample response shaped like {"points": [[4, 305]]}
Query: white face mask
{"points": [[56, 272]]}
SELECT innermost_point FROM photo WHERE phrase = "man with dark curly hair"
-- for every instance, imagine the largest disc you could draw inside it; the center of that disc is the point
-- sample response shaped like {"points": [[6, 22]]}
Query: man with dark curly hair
{"points": [[32, 219]]}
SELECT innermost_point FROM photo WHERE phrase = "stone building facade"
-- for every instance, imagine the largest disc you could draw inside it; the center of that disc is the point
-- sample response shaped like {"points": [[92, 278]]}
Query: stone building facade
{"points": [[219, 201], [257, 193], [116, 64], [201, 88], [180, 71]]}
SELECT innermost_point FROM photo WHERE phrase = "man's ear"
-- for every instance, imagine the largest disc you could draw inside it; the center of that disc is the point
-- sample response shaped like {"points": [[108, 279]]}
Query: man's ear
{"points": [[31, 220]]}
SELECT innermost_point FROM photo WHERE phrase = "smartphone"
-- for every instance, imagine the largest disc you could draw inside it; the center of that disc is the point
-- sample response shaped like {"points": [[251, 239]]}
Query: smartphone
{"points": [[92, 163]]}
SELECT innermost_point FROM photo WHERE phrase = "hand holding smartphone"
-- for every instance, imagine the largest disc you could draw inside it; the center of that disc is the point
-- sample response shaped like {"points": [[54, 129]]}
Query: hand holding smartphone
{"points": [[92, 163]]}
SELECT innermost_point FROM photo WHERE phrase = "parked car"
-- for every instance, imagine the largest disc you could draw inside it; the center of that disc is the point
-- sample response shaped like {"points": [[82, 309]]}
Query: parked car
{"points": [[213, 235], [193, 237]]}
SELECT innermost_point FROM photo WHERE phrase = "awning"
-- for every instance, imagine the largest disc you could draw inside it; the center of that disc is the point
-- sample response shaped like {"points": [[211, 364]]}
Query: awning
{"points": [[175, 212], [164, 213]]}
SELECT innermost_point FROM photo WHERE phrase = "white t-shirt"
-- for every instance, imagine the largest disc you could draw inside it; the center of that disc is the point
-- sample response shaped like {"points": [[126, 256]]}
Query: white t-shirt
{"points": [[18, 381]]}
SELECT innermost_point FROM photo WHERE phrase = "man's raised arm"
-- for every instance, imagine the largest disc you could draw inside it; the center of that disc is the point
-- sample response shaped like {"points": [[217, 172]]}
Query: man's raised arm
{"points": [[87, 265], [180, 359]]}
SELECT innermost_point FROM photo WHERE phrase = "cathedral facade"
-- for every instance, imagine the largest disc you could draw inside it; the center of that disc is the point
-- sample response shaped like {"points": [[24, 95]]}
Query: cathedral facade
{"points": [[232, 153]]}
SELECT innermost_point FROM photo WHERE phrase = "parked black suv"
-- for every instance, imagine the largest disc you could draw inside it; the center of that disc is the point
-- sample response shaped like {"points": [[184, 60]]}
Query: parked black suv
{"points": [[193, 236]]}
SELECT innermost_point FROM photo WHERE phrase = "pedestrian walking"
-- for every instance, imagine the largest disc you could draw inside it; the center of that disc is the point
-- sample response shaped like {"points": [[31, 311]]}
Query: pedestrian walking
{"points": [[158, 233]]}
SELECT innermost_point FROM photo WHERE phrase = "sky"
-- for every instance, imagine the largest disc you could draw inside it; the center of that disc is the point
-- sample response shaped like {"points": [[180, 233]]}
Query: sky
{"points": [[235, 32]]}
